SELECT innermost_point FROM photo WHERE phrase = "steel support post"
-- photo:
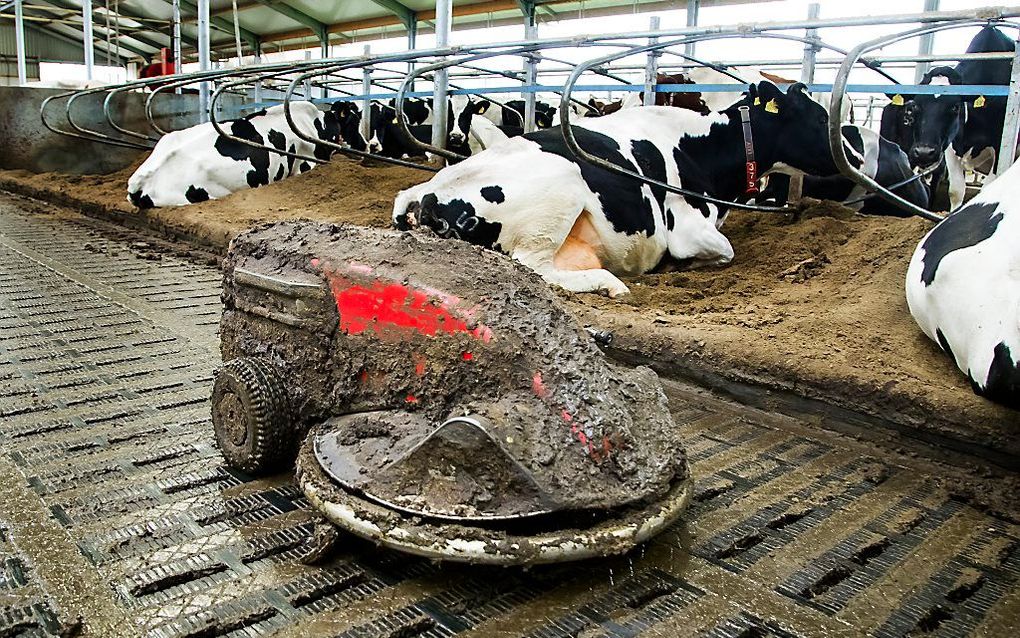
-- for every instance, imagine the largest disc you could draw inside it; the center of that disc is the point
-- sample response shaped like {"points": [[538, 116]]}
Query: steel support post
{"points": [[86, 34], [203, 58], [530, 74], [441, 79], [308, 81], [19, 42], [652, 64], [693, 6], [237, 33], [366, 103], [175, 39], [258, 82], [925, 45], [807, 73], [1011, 123], [412, 41]]}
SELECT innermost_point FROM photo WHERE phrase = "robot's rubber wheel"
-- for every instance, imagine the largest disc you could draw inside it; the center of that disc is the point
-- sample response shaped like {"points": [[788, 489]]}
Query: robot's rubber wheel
{"points": [[251, 417]]}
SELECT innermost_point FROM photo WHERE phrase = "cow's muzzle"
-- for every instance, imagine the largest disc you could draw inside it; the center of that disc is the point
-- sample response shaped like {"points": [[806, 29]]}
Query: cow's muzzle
{"points": [[410, 218], [924, 156]]}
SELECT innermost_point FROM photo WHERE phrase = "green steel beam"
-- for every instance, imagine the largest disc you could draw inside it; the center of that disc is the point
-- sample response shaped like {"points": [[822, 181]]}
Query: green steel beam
{"points": [[528, 9], [77, 41], [319, 28], [156, 44], [224, 25], [405, 13]]}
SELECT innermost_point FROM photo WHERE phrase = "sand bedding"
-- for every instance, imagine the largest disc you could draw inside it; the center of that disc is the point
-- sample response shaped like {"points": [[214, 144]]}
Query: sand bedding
{"points": [[811, 303]]}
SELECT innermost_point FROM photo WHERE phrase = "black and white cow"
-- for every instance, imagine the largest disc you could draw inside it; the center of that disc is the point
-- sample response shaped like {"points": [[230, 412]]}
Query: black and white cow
{"points": [[873, 155], [965, 130], [389, 140], [579, 225], [416, 110], [963, 288], [197, 163], [460, 111], [513, 114]]}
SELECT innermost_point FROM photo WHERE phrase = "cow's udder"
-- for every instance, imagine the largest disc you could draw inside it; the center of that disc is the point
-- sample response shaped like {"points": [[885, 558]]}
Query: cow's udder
{"points": [[579, 251]]}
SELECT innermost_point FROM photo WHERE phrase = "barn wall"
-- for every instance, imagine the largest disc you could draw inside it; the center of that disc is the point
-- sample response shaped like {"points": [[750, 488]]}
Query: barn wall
{"points": [[39, 46], [26, 143]]}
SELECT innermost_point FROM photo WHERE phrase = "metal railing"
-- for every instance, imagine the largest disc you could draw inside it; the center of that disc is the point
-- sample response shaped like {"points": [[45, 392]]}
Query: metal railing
{"points": [[666, 50]]}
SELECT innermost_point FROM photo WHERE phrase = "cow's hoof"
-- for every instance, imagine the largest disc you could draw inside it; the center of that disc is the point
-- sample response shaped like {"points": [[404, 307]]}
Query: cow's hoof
{"points": [[321, 544], [617, 292]]}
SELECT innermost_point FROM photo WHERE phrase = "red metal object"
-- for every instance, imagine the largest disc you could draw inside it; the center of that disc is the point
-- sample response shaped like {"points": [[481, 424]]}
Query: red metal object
{"points": [[165, 65]]}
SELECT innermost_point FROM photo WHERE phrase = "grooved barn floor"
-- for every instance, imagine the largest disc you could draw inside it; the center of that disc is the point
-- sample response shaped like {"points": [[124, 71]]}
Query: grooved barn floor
{"points": [[117, 514]]}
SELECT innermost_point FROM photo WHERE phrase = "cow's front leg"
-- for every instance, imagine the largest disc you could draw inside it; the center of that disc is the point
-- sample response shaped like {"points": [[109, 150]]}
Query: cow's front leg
{"points": [[593, 280], [546, 264]]}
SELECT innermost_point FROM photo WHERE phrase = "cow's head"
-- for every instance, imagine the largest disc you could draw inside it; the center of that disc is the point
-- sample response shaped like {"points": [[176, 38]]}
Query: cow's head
{"points": [[462, 109], [544, 116], [689, 101], [416, 110], [933, 120], [595, 107], [343, 120], [789, 128], [381, 120]]}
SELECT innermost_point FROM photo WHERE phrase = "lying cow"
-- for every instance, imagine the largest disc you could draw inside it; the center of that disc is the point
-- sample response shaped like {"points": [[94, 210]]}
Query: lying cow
{"points": [[197, 164], [963, 288], [873, 155], [579, 225]]}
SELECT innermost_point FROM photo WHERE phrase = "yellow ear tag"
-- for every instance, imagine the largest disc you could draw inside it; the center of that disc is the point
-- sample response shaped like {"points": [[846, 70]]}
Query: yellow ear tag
{"points": [[897, 100], [394, 120], [771, 106], [979, 102], [757, 101]]}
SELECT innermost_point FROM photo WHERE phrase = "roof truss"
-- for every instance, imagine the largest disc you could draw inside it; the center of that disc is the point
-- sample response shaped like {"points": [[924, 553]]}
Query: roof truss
{"points": [[147, 41], [320, 29], [407, 16], [225, 25], [56, 32]]}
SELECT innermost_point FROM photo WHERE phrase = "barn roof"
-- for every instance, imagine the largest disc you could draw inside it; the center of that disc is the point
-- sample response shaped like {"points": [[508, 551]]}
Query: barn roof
{"points": [[142, 27]]}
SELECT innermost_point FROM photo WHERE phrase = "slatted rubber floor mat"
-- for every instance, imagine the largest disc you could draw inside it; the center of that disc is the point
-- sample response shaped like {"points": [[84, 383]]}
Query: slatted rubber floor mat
{"points": [[116, 511]]}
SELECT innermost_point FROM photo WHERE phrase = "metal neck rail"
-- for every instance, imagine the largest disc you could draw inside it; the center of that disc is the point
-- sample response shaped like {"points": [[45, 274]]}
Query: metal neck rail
{"points": [[991, 13], [839, 91], [571, 141], [327, 75]]}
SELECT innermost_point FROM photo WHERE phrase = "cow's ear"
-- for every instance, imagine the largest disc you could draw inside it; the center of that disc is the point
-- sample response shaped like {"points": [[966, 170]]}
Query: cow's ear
{"points": [[798, 88], [768, 98], [482, 106], [798, 97]]}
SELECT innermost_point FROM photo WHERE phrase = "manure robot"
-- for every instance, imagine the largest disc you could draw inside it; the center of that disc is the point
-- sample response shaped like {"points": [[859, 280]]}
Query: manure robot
{"points": [[438, 399]]}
